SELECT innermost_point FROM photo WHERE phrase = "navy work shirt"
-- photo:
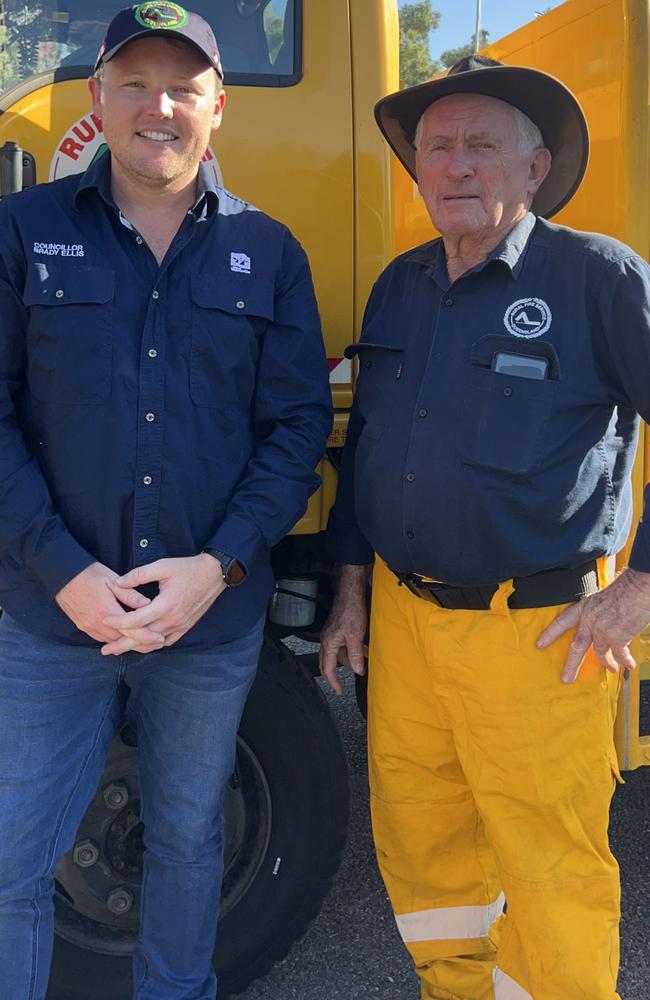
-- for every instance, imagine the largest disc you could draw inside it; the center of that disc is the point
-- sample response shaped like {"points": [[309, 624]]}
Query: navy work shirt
{"points": [[150, 411], [468, 475]]}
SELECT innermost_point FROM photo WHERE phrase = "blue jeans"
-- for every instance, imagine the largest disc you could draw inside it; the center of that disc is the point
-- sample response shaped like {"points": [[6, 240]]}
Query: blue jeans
{"points": [[59, 707]]}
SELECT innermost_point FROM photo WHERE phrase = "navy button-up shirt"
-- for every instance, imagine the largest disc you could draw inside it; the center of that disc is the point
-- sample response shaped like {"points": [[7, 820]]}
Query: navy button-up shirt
{"points": [[470, 475], [151, 411]]}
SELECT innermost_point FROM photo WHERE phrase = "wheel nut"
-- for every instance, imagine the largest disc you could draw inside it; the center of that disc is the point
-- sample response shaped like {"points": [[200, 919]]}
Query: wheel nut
{"points": [[85, 854], [119, 901], [116, 795]]}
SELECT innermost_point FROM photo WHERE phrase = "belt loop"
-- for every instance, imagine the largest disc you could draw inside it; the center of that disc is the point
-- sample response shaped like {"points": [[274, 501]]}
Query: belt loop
{"points": [[499, 603]]}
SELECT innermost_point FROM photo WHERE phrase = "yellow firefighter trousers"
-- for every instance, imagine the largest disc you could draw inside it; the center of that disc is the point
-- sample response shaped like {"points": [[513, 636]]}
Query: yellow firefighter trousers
{"points": [[491, 779]]}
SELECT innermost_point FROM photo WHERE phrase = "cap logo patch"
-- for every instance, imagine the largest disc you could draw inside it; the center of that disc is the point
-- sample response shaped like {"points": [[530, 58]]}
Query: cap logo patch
{"points": [[161, 15], [528, 318]]}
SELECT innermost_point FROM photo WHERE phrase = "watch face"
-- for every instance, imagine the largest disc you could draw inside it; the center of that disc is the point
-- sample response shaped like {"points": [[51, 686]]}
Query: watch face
{"points": [[233, 574]]}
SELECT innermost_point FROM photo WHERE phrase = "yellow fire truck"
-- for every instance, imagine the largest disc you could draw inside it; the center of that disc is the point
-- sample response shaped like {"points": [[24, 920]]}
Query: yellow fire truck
{"points": [[299, 140]]}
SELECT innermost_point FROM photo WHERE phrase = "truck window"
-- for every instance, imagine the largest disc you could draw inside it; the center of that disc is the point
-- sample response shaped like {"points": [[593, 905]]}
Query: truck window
{"points": [[258, 39]]}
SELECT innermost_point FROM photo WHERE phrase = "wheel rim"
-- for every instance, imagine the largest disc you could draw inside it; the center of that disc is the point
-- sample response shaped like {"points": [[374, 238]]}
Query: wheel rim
{"points": [[98, 883]]}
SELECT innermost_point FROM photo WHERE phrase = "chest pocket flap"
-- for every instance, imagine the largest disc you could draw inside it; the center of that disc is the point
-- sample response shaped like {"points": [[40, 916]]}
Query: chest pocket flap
{"points": [[379, 371], [70, 332], [229, 317], [243, 296], [58, 285]]}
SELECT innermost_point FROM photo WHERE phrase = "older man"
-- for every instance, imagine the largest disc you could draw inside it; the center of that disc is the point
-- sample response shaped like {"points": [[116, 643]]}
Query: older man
{"points": [[501, 371], [164, 402]]}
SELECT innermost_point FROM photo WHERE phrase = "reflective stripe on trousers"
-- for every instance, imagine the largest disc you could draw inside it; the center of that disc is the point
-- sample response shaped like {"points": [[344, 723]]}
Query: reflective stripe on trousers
{"points": [[459, 922], [488, 775], [505, 988]]}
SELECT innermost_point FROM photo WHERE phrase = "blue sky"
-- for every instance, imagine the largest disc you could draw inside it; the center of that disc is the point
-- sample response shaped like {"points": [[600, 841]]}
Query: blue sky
{"points": [[458, 19]]}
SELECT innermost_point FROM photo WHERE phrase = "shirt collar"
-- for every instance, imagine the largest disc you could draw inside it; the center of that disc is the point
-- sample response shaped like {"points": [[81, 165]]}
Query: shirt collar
{"points": [[510, 251], [207, 194], [98, 178]]}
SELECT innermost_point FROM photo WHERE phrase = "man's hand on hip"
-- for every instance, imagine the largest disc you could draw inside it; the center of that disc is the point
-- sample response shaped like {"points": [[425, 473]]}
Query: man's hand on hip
{"points": [[89, 598], [342, 638], [187, 588], [608, 620]]}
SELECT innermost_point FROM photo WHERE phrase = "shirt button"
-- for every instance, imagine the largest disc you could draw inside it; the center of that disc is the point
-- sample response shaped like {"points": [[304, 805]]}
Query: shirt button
{"points": [[410, 477], [449, 302], [153, 353], [59, 293], [240, 304], [144, 542], [139, 240], [150, 417], [422, 412], [507, 391], [410, 534], [368, 364], [147, 480], [155, 294]]}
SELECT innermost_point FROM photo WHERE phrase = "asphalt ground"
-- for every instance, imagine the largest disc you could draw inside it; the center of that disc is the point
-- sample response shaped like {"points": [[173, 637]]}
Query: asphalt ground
{"points": [[352, 950]]}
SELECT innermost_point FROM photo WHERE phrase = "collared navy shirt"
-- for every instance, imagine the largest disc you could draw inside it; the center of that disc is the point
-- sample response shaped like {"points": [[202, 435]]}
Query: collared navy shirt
{"points": [[460, 472], [151, 411]]}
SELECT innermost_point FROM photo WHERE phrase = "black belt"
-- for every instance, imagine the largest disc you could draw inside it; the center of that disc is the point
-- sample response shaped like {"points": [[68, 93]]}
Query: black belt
{"points": [[541, 590]]}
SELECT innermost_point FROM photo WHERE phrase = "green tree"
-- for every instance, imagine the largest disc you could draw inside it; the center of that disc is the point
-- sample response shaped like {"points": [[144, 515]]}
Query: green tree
{"points": [[416, 22], [452, 56]]}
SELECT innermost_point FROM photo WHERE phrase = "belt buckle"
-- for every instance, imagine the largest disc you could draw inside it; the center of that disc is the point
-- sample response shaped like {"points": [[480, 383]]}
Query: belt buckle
{"points": [[422, 587], [424, 591]]}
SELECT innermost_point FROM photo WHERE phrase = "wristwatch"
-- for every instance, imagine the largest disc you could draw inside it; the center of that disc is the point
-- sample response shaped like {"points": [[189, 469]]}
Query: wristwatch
{"points": [[233, 572]]}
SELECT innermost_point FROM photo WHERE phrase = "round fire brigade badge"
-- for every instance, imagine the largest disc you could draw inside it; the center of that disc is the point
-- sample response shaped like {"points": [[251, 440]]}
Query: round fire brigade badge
{"points": [[527, 318], [161, 15]]}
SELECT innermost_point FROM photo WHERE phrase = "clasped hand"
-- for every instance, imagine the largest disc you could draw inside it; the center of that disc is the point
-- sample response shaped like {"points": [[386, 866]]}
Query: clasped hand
{"points": [[187, 587]]}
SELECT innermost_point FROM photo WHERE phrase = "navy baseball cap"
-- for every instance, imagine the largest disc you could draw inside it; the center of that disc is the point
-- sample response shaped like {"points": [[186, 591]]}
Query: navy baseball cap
{"points": [[159, 16]]}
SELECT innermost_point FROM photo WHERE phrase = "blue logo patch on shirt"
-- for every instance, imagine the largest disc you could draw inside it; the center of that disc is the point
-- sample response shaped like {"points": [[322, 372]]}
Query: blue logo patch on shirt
{"points": [[240, 263]]}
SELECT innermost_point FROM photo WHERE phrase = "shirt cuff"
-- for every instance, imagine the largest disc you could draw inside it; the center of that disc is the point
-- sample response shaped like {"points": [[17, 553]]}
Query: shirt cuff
{"points": [[240, 538], [346, 544], [59, 561]]}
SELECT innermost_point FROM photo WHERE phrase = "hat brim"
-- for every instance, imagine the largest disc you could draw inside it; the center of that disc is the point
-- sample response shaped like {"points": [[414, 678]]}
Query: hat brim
{"points": [[543, 98], [167, 33]]}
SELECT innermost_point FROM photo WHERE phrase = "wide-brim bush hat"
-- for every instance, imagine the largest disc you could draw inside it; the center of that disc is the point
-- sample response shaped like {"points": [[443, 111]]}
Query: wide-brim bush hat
{"points": [[543, 98]]}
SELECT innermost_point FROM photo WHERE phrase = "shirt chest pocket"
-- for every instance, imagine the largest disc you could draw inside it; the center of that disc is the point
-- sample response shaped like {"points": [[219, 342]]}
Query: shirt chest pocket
{"points": [[380, 369], [503, 420], [69, 333], [229, 318]]}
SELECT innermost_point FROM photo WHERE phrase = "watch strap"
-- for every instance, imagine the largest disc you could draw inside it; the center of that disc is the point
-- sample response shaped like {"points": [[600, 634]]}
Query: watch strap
{"points": [[233, 572]]}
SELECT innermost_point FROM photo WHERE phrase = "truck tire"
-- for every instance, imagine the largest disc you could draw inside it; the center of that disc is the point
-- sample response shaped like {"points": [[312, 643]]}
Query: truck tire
{"points": [[286, 816]]}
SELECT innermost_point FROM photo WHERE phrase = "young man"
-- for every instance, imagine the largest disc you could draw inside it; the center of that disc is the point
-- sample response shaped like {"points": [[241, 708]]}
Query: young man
{"points": [[164, 402]]}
